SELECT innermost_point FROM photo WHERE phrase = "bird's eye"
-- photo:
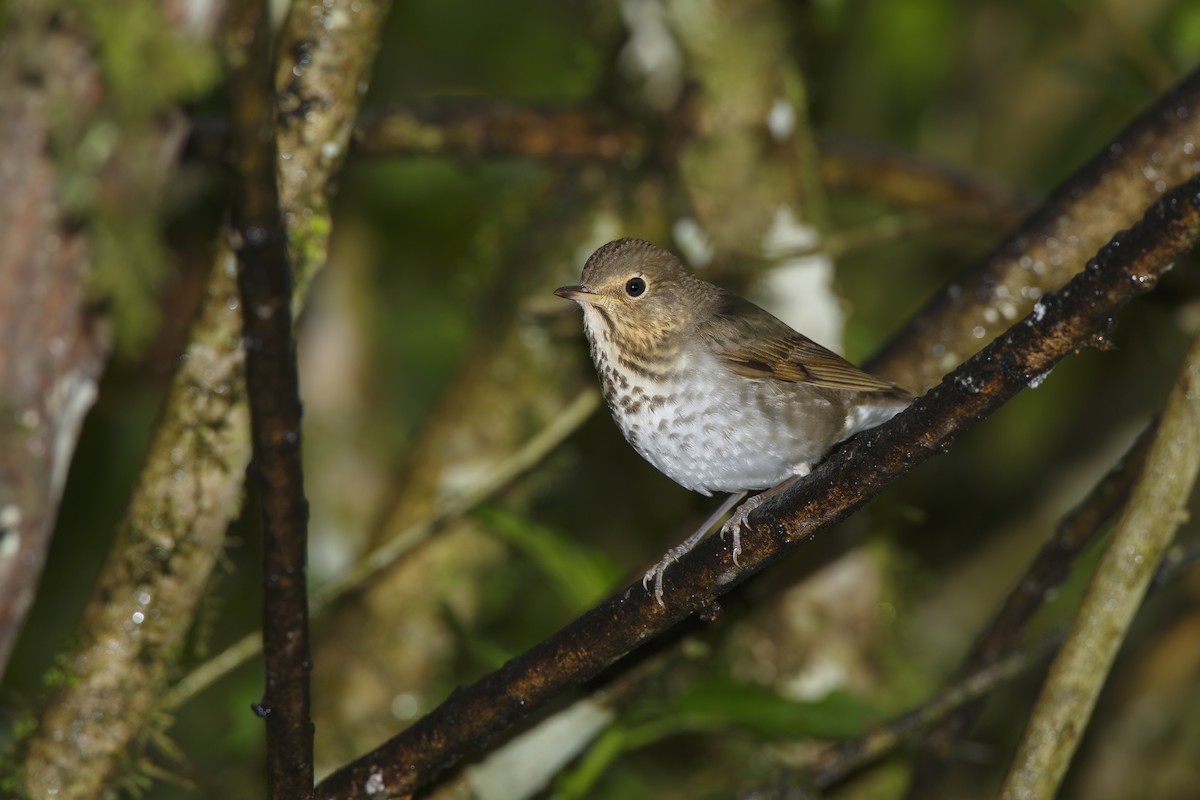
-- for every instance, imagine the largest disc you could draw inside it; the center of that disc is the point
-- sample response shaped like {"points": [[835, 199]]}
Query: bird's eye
{"points": [[635, 287]]}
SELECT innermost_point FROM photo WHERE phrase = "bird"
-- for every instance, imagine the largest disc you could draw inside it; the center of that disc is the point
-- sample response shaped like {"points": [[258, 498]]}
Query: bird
{"points": [[716, 393]]}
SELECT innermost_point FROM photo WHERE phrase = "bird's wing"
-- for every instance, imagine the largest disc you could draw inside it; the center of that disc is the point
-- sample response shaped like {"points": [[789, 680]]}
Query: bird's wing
{"points": [[754, 344]]}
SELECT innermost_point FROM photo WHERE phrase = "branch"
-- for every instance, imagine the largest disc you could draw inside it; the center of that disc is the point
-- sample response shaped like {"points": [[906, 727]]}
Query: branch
{"points": [[1049, 568], [272, 387], [1107, 194], [190, 485], [486, 128], [911, 182], [1063, 322], [367, 569], [55, 346], [1157, 506], [837, 762], [477, 128]]}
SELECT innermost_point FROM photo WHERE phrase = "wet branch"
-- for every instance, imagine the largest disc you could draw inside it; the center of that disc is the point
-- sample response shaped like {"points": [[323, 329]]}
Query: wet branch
{"points": [[1108, 193], [1063, 322], [272, 386]]}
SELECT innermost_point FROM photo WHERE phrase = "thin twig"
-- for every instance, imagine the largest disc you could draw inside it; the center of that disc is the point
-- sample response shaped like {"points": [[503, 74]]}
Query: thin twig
{"points": [[916, 183], [479, 128], [273, 391], [840, 760]]}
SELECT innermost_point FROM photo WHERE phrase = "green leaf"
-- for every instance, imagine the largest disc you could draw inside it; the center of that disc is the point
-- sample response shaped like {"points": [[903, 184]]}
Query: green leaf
{"points": [[577, 782], [719, 703], [580, 577]]}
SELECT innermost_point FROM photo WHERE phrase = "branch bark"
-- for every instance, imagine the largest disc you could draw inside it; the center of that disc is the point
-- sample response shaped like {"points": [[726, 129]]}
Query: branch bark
{"points": [[1063, 322], [1109, 193], [273, 390], [191, 483], [55, 343]]}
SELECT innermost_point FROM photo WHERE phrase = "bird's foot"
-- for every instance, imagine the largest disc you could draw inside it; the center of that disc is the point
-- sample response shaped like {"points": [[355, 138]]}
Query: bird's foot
{"points": [[733, 527], [656, 573], [678, 551]]}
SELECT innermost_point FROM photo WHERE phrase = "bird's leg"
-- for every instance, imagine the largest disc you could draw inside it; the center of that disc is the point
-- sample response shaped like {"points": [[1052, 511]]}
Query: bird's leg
{"points": [[738, 521], [674, 554]]}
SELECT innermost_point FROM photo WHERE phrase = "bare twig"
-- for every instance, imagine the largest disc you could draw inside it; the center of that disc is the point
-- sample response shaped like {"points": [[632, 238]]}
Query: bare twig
{"points": [[1063, 322], [911, 182], [1156, 508], [273, 390], [840, 760], [481, 128]]}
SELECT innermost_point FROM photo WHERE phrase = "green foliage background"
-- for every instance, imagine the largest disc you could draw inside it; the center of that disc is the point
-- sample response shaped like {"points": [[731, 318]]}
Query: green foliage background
{"points": [[1022, 92]]}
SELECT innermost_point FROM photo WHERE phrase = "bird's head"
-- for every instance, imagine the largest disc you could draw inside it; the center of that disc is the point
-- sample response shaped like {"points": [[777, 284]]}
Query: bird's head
{"points": [[636, 291]]}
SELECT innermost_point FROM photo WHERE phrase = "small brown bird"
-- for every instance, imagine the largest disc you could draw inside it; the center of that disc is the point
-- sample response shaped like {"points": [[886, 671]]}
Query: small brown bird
{"points": [[715, 392]]}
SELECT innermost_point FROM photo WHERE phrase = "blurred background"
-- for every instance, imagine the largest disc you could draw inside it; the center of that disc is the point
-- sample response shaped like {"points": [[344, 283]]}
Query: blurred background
{"points": [[432, 351]]}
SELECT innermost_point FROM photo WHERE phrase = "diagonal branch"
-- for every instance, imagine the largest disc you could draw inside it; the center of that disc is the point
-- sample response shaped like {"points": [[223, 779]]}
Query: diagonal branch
{"points": [[838, 761], [1063, 322], [1109, 193], [273, 391]]}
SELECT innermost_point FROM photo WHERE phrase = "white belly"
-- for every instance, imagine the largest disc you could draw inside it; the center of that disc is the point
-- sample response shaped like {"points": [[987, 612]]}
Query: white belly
{"points": [[733, 434]]}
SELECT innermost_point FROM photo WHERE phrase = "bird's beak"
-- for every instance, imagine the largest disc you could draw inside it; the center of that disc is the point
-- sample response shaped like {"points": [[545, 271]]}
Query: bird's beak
{"points": [[580, 294]]}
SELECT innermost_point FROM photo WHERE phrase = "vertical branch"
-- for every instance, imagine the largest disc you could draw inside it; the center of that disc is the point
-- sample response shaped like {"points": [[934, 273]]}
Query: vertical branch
{"points": [[1156, 508], [264, 280], [52, 354], [190, 485]]}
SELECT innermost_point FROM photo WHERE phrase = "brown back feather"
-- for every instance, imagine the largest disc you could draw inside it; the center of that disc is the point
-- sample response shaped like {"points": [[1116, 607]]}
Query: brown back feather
{"points": [[754, 344]]}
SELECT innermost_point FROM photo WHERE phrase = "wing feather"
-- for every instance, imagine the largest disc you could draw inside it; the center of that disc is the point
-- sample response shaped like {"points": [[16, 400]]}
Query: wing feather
{"points": [[754, 344]]}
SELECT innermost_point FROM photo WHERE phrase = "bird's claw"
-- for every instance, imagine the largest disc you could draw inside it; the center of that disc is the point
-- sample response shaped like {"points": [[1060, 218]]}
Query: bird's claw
{"points": [[656, 573], [740, 519], [733, 526]]}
